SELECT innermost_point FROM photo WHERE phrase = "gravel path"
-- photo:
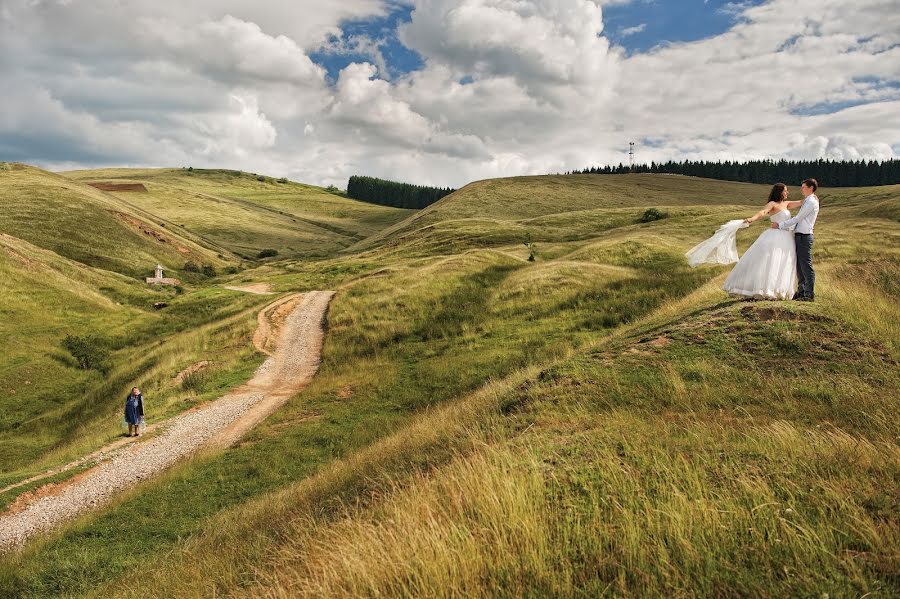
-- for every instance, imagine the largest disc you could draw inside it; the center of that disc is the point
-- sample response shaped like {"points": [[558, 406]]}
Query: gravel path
{"points": [[289, 368]]}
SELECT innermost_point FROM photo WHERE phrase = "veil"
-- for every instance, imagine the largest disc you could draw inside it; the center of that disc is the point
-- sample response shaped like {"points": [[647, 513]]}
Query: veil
{"points": [[721, 248]]}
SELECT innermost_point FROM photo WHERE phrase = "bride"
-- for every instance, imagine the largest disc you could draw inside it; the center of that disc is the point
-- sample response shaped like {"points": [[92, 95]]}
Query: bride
{"points": [[768, 269]]}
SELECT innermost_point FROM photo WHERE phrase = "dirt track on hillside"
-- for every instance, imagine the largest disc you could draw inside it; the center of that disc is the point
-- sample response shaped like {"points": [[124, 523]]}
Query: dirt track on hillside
{"points": [[293, 361]]}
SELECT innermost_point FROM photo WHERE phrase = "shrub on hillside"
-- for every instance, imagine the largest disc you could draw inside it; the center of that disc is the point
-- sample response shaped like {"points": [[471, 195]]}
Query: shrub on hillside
{"points": [[191, 266], [531, 247], [267, 253], [197, 380], [283, 180], [652, 214], [89, 351], [261, 179], [208, 270]]}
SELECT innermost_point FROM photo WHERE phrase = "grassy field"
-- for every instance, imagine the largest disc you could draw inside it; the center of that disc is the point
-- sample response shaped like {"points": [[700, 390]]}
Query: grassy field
{"points": [[72, 261], [92, 227], [246, 215], [600, 421]]}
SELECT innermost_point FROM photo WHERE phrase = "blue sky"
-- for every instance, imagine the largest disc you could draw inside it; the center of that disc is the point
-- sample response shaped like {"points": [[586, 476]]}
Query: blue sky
{"points": [[637, 26], [643, 24], [383, 31]]}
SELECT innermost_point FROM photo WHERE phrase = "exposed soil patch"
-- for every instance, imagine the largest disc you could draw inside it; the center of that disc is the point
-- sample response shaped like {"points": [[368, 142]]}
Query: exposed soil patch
{"points": [[140, 226], [270, 321], [254, 288], [23, 260], [119, 186], [196, 367]]}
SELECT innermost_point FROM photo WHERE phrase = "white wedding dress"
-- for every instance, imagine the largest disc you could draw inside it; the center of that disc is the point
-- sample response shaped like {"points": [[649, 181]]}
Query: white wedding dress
{"points": [[768, 269]]}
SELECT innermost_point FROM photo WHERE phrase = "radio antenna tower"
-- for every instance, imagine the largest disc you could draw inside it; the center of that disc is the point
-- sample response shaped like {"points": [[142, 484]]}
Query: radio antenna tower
{"points": [[631, 155]]}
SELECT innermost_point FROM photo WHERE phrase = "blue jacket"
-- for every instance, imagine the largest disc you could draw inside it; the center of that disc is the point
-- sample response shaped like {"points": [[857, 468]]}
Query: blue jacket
{"points": [[140, 403]]}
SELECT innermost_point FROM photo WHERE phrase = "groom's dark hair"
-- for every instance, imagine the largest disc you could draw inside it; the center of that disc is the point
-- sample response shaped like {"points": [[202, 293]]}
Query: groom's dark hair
{"points": [[811, 183]]}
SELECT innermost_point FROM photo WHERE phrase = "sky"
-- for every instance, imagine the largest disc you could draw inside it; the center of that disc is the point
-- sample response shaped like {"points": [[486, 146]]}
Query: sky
{"points": [[443, 92]]}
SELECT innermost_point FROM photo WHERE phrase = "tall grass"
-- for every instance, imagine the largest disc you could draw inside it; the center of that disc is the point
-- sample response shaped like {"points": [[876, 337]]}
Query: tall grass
{"points": [[600, 421]]}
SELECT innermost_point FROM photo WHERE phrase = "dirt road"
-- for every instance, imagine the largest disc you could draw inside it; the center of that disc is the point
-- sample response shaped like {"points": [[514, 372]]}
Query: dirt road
{"points": [[296, 324]]}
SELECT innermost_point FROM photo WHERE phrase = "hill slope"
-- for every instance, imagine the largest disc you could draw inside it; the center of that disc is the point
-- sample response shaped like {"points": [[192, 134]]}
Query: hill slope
{"points": [[91, 226], [246, 215], [552, 200], [603, 419]]}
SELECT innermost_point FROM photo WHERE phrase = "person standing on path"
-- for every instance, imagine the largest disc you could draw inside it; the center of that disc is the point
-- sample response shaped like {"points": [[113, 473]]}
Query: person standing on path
{"points": [[134, 411], [802, 225]]}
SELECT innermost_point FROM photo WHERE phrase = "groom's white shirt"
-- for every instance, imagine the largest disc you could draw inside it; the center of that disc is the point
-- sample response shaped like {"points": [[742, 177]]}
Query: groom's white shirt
{"points": [[806, 217]]}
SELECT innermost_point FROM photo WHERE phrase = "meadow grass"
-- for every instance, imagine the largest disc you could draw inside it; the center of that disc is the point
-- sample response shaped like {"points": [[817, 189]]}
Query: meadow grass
{"points": [[601, 421], [90, 226], [402, 342], [237, 211], [635, 467]]}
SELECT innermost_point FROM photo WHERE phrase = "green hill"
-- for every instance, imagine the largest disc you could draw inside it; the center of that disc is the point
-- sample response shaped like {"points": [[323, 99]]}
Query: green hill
{"points": [[246, 215], [555, 205], [73, 258], [601, 420], [50, 408], [93, 227]]}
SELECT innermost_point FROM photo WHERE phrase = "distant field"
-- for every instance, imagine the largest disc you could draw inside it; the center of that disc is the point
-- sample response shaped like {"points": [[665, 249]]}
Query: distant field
{"points": [[603, 420], [246, 215]]}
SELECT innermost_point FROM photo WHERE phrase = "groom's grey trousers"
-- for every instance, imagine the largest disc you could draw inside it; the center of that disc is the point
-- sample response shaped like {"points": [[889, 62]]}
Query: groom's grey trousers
{"points": [[806, 276]]}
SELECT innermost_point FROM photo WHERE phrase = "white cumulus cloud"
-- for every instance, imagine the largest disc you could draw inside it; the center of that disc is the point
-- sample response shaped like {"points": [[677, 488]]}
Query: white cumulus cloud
{"points": [[506, 87]]}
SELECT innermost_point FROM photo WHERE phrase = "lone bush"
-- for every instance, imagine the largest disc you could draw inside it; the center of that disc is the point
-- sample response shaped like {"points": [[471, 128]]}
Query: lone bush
{"points": [[261, 179], [208, 270], [89, 351], [652, 214], [531, 247], [267, 253], [283, 180], [196, 381], [191, 266]]}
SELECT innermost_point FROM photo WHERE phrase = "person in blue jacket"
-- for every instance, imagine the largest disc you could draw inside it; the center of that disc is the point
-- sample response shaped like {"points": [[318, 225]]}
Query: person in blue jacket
{"points": [[134, 411]]}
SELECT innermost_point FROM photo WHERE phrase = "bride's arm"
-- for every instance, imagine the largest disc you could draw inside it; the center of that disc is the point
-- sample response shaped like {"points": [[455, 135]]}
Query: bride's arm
{"points": [[760, 214], [794, 204]]}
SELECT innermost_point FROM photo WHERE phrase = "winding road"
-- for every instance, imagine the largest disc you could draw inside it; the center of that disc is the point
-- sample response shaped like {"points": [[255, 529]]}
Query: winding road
{"points": [[292, 334]]}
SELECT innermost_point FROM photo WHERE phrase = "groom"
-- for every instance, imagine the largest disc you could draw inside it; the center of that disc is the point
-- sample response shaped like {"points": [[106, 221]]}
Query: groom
{"points": [[802, 225]]}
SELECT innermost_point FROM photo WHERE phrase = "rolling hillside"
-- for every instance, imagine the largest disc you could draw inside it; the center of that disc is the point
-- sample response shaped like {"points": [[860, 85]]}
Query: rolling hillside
{"points": [[246, 215], [539, 204], [603, 420], [73, 258], [93, 227]]}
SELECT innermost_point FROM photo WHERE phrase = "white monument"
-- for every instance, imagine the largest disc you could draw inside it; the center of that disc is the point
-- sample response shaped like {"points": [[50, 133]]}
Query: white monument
{"points": [[159, 279]]}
